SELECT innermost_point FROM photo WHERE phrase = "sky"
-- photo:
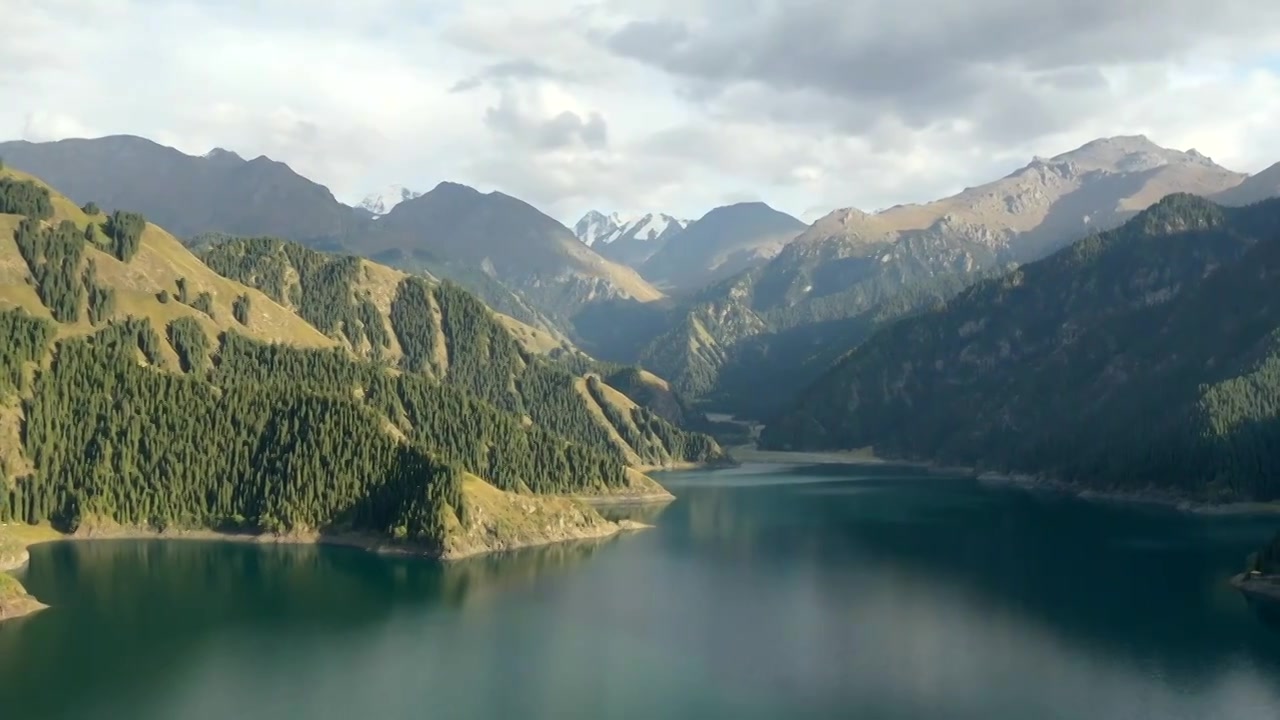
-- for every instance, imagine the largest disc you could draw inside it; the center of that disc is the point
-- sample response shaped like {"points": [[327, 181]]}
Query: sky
{"points": [[633, 106]]}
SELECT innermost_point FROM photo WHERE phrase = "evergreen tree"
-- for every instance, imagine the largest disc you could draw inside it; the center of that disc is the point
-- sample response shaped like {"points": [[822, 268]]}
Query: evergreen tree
{"points": [[23, 197], [53, 256], [203, 303], [189, 341], [102, 300], [240, 309], [125, 231]]}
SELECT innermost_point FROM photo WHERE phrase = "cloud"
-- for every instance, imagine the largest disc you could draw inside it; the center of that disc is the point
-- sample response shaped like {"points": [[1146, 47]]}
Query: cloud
{"points": [[504, 72], [635, 105], [563, 129], [925, 62], [46, 126]]}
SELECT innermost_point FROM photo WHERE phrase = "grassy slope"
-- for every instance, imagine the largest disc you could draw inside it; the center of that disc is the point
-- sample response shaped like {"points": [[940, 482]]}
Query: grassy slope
{"points": [[381, 282], [639, 484], [160, 262], [533, 340], [504, 521], [580, 385]]}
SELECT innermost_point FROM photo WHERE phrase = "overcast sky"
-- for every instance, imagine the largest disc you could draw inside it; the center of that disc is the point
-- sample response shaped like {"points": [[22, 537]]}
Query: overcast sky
{"points": [[633, 105]]}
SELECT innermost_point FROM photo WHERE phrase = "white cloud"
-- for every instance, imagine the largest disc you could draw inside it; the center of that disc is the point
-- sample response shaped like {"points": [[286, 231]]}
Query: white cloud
{"points": [[635, 105], [45, 126]]}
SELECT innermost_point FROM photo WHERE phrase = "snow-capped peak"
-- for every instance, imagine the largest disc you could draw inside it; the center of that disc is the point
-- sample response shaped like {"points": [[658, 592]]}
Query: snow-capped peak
{"points": [[653, 226], [596, 227], [380, 203]]}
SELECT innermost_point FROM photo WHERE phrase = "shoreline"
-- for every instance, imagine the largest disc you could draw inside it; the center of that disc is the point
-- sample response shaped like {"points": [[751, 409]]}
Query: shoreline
{"points": [[752, 454], [15, 601], [598, 501], [370, 543], [1265, 589], [1150, 497], [1025, 481], [20, 603]]}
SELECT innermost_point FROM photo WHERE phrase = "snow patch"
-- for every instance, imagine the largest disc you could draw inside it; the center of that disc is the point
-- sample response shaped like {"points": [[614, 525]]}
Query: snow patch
{"points": [[597, 228], [380, 203]]}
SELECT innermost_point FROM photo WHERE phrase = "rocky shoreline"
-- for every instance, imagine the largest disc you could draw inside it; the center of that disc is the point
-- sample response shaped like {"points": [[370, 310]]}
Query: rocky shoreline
{"points": [[15, 601]]}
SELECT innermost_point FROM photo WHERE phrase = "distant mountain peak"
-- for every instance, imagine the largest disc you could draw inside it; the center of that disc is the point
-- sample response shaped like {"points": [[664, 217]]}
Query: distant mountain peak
{"points": [[595, 225], [450, 186], [1122, 153], [724, 241], [740, 208], [379, 203], [596, 228], [223, 155]]}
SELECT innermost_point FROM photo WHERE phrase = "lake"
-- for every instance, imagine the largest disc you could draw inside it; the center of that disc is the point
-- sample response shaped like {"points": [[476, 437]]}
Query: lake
{"points": [[763, 592]]}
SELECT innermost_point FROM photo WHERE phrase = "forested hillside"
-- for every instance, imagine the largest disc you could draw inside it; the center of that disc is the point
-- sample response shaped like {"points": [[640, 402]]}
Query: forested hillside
{"points": [[1145, 358], [418, 325], [132, 394]]}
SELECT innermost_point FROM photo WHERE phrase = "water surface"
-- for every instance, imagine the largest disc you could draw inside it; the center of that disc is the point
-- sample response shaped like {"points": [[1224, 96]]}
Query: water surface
{"points": [[763, 592]]}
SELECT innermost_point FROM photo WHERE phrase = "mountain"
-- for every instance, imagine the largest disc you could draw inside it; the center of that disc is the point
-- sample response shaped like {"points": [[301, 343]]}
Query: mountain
{"points": [[509, 241], [1021, 217], [380, 203], [596, 227], [850, 272], [635, 241], [720, 244], [222, 194], [322, 395], [189, 195], [1145, 358], [1255, 188]]}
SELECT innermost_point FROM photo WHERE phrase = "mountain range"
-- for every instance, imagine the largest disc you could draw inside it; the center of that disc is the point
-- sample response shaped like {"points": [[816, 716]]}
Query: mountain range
{"points": [[742, 307], [217, 192], [851, 271], [516, 258], [1145, 358], [681, 256]]}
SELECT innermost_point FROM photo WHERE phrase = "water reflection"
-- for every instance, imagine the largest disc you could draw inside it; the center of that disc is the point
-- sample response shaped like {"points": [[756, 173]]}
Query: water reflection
{"points": [[807, 593], [1148, 585], [128, 615]]}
